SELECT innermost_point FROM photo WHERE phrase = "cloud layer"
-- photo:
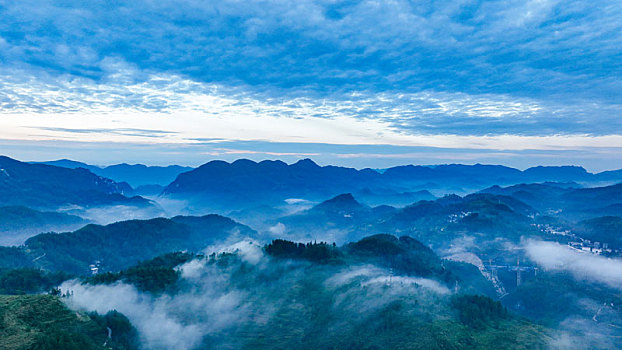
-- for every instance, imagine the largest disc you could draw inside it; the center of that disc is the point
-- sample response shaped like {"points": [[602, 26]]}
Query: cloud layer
{"points": [[584, 266], [219, 300], [536, 46], [335, 72]]}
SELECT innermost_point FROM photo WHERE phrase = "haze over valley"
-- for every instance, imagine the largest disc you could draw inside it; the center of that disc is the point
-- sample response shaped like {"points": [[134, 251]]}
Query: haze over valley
{"points": [[227, 253]]}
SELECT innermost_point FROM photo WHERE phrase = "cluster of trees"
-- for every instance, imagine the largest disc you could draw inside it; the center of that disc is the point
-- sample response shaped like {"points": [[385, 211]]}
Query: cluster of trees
{"points": [[56, 338], [404, 255], [14, 257], [43, 322], [123, 336], [316, 252], [29, 280], [156, 276], [477, 311]]}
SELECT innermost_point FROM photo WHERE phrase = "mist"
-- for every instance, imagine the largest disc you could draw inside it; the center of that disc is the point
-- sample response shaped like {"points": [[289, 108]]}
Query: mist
{"points": [[587, 323], [582, 265], [105, 215], [245, 289]]}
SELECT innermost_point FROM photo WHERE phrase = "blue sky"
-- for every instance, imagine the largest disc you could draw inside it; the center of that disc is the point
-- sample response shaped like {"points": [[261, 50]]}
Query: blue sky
{"points": [[361, 83]]}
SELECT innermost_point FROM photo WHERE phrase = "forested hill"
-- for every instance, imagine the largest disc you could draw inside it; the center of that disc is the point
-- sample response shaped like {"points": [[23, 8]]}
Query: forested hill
{"points": [[382, 292], [117, 246], [44, 322], [47, 186]]}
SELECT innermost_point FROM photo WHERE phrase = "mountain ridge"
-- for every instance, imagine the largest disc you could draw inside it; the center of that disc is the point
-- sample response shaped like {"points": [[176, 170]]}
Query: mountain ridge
{"points": [[48, 186]]}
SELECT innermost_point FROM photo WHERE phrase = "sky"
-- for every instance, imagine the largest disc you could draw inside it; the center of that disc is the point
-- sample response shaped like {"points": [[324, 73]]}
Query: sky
{"points": [[356, 83]]}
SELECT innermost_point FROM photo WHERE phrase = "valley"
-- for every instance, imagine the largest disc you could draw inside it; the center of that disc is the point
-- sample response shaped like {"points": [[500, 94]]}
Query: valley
{"points": [[523, 265]]}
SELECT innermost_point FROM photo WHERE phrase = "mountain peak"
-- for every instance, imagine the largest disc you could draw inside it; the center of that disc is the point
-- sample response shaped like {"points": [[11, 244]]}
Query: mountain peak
{"points": [[343, 198], [343, 201], [243, 161], [307, 163]]}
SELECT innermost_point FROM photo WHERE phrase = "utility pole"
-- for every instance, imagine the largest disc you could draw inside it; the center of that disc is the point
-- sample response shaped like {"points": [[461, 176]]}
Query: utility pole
{"points": [[518, 281]]}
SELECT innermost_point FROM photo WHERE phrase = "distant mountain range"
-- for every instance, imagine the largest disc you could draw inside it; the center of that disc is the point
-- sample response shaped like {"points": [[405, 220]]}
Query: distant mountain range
{"points": [[244, 179], [47, 186], [17, 223], [134, 174], [436, 223], [333, 220], [566, 199], [223, 187], [244, 183]]}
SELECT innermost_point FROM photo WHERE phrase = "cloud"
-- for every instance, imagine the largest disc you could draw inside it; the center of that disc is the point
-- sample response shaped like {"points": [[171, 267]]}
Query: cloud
{"points": [[372, 276], [159, 99], [277, 230], [247, 249], [216, 301], [515, 49], [479, 46], [584, 266], [454, 74], [123, 131], [105, 215], [160, 320], [583, 333]]}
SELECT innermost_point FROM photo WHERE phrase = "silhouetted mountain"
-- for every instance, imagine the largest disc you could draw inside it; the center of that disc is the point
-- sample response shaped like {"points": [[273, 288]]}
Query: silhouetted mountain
{"points": [[543, 196], [565, 198], [246, 183], [140, 175], [18, 223], [71, 164], [611, 175], [342, 219], [455, 177], [488, 219], [595, 196], [610, 210], [557, 173], [41, 185], [258, 217], [490, 204], [117, 246], [342, 204], [332, 220], [134, 174], [392, 197]]}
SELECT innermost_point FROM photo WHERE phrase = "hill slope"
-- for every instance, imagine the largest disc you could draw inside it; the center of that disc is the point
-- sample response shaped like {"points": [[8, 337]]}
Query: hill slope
{"points": [[134, 174], [47, 186], [44, 322], [311, 296], [116, 246], [17, 223]]}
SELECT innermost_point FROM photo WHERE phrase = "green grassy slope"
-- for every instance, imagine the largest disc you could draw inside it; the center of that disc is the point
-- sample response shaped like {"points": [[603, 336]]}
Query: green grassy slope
{"points": [[44, 322]]}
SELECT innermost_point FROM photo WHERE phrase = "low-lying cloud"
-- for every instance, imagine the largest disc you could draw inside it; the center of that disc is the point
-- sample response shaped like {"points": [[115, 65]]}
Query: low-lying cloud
{"points": [[219, 297], [582, 265]]}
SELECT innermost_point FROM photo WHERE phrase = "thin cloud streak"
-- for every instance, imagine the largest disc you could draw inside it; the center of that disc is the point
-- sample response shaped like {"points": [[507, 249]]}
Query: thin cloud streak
{"points": [[425, 112]]}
